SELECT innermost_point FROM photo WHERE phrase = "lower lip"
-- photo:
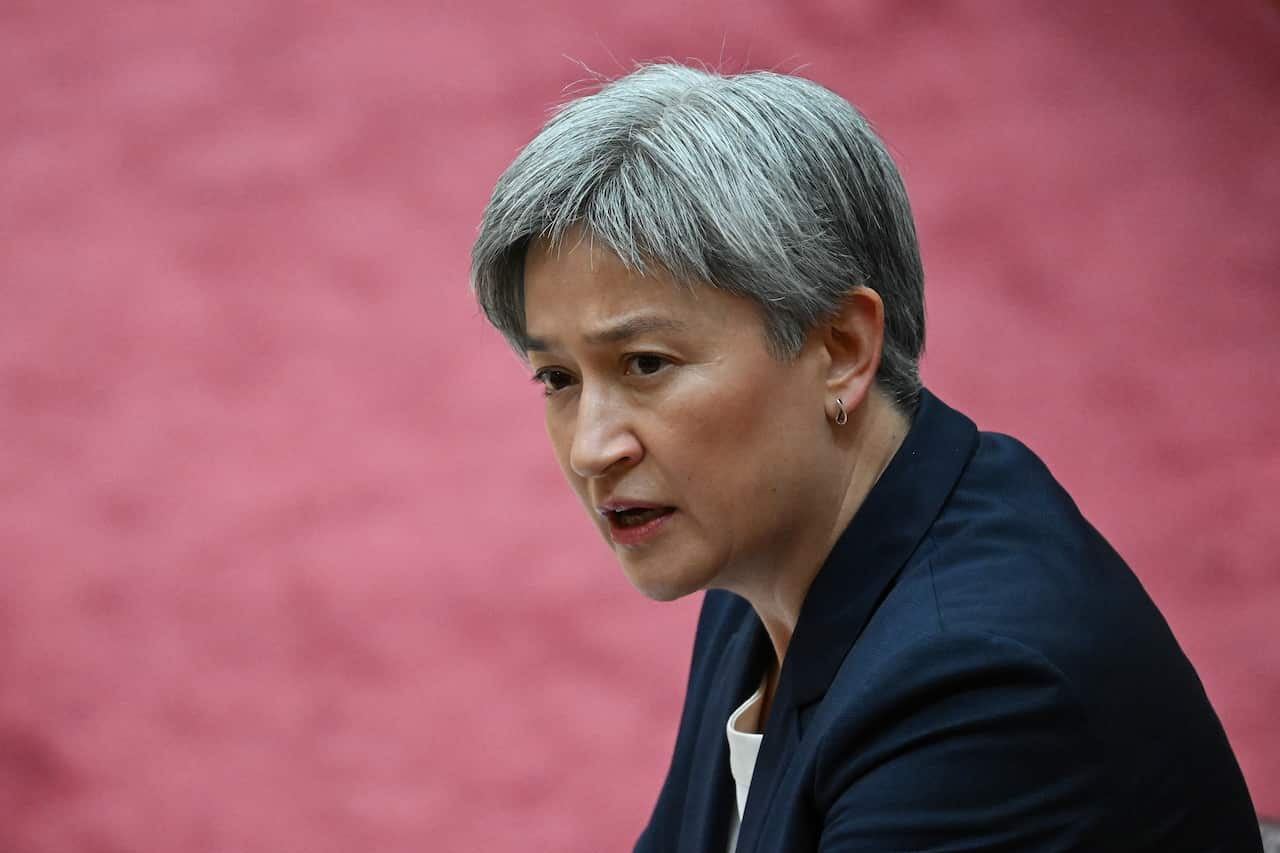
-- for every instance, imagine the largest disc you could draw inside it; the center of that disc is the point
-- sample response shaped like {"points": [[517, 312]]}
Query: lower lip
{"points": [[629, 536]]}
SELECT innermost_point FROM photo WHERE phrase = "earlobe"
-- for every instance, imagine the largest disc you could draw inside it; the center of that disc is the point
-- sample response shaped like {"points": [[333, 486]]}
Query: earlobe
{"points": [[854, 337]]}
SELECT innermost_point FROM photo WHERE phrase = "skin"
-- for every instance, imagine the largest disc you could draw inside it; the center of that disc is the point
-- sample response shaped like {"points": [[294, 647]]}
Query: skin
{"points": [[668, 394]]}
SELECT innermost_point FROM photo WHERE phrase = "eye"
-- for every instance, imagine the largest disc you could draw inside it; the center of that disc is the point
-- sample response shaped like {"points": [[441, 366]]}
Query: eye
{"points": [[552, 379], [645, 364]]}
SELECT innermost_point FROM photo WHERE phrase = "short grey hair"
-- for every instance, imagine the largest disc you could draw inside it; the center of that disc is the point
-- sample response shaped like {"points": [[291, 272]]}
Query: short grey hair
{"points": [[764, 185]]}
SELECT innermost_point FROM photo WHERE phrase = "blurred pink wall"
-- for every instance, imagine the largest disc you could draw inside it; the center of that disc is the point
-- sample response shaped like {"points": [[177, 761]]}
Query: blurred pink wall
{"points": [[285, 563]]}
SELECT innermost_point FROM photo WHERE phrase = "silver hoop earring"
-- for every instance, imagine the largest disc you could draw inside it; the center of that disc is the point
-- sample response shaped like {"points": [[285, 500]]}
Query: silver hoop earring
{"points": [[842, 417]]}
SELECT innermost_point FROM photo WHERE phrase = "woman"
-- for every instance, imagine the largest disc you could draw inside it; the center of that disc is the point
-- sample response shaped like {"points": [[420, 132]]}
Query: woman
{"points": [[910, 640]]}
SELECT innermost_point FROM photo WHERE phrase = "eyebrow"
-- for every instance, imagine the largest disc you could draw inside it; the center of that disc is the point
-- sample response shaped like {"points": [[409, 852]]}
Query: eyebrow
{"points": [[620, 331]]}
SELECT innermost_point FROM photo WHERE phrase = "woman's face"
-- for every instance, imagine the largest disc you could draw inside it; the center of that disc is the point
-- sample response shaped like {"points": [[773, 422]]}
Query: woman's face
{"points": [[702, 460]]}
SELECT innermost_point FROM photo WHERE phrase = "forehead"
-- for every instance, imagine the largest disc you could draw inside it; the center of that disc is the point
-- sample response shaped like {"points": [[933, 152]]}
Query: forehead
{"points": [[579, 283], [579, 263]]}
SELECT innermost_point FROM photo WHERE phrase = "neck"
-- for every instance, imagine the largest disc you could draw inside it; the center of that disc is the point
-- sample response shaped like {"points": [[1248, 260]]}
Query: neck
{"points": [[878, 430]]}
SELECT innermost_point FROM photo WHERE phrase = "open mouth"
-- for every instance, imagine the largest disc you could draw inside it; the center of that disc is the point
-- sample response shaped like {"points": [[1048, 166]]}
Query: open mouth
{"points": [[627, 518]]}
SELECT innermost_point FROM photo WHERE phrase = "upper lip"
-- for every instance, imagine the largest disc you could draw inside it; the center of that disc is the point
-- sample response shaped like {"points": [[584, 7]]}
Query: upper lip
{"points": [[619, 504]]}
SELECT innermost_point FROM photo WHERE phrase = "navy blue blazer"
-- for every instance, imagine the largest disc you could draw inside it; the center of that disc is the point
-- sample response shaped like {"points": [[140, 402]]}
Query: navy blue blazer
{"points": [[974, 668]]}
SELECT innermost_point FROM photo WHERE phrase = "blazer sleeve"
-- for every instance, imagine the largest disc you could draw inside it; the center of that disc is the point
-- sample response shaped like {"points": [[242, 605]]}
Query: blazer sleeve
{"points": [[962, 742]]}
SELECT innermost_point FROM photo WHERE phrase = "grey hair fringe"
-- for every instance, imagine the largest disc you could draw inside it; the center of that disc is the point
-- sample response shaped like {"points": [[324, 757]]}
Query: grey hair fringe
{"points": [[764, 185]]}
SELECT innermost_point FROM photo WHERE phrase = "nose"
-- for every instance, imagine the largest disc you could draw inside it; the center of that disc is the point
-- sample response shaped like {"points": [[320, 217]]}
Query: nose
{"points": [[603, 439]]}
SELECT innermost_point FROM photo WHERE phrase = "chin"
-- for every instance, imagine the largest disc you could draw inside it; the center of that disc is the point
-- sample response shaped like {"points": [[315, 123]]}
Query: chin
{"points": [[659, 587], [655, 592]]}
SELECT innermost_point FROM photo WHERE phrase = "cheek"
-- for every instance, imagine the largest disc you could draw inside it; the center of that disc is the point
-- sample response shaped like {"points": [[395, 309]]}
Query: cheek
{"points": [[558, 434], [560, 437], [760, 449], [714, 442]]}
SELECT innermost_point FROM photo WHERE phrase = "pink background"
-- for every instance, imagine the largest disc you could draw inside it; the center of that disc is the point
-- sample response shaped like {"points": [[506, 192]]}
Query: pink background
{"points": [[285, 562]]}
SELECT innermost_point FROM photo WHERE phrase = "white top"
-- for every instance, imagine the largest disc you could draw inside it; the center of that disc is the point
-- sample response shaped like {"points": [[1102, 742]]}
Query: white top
{"points": [[742, 730]]}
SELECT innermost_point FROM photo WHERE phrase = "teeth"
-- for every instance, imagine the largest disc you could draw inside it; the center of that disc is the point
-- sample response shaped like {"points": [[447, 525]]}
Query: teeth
{"points": [[636, 516]]}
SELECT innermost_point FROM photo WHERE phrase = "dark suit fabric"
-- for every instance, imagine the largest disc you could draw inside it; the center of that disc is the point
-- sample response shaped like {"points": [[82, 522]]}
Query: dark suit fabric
{"points": [[974, 668]]}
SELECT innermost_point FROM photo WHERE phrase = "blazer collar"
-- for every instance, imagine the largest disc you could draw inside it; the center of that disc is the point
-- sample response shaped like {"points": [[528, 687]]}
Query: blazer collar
{"points": [[875, 546]]}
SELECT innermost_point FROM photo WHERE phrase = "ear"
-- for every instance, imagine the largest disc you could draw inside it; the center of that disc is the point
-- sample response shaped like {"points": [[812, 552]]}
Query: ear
{"points": [[852, 339]]}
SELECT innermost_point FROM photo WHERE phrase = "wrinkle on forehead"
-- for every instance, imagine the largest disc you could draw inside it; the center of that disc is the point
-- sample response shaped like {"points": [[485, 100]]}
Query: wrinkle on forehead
{"points": [[619, 331], [584, 293]]}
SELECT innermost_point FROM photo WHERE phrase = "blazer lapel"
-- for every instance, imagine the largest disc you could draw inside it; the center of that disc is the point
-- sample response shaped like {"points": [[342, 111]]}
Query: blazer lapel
{"points": [[705, 824], [781, 740]]}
